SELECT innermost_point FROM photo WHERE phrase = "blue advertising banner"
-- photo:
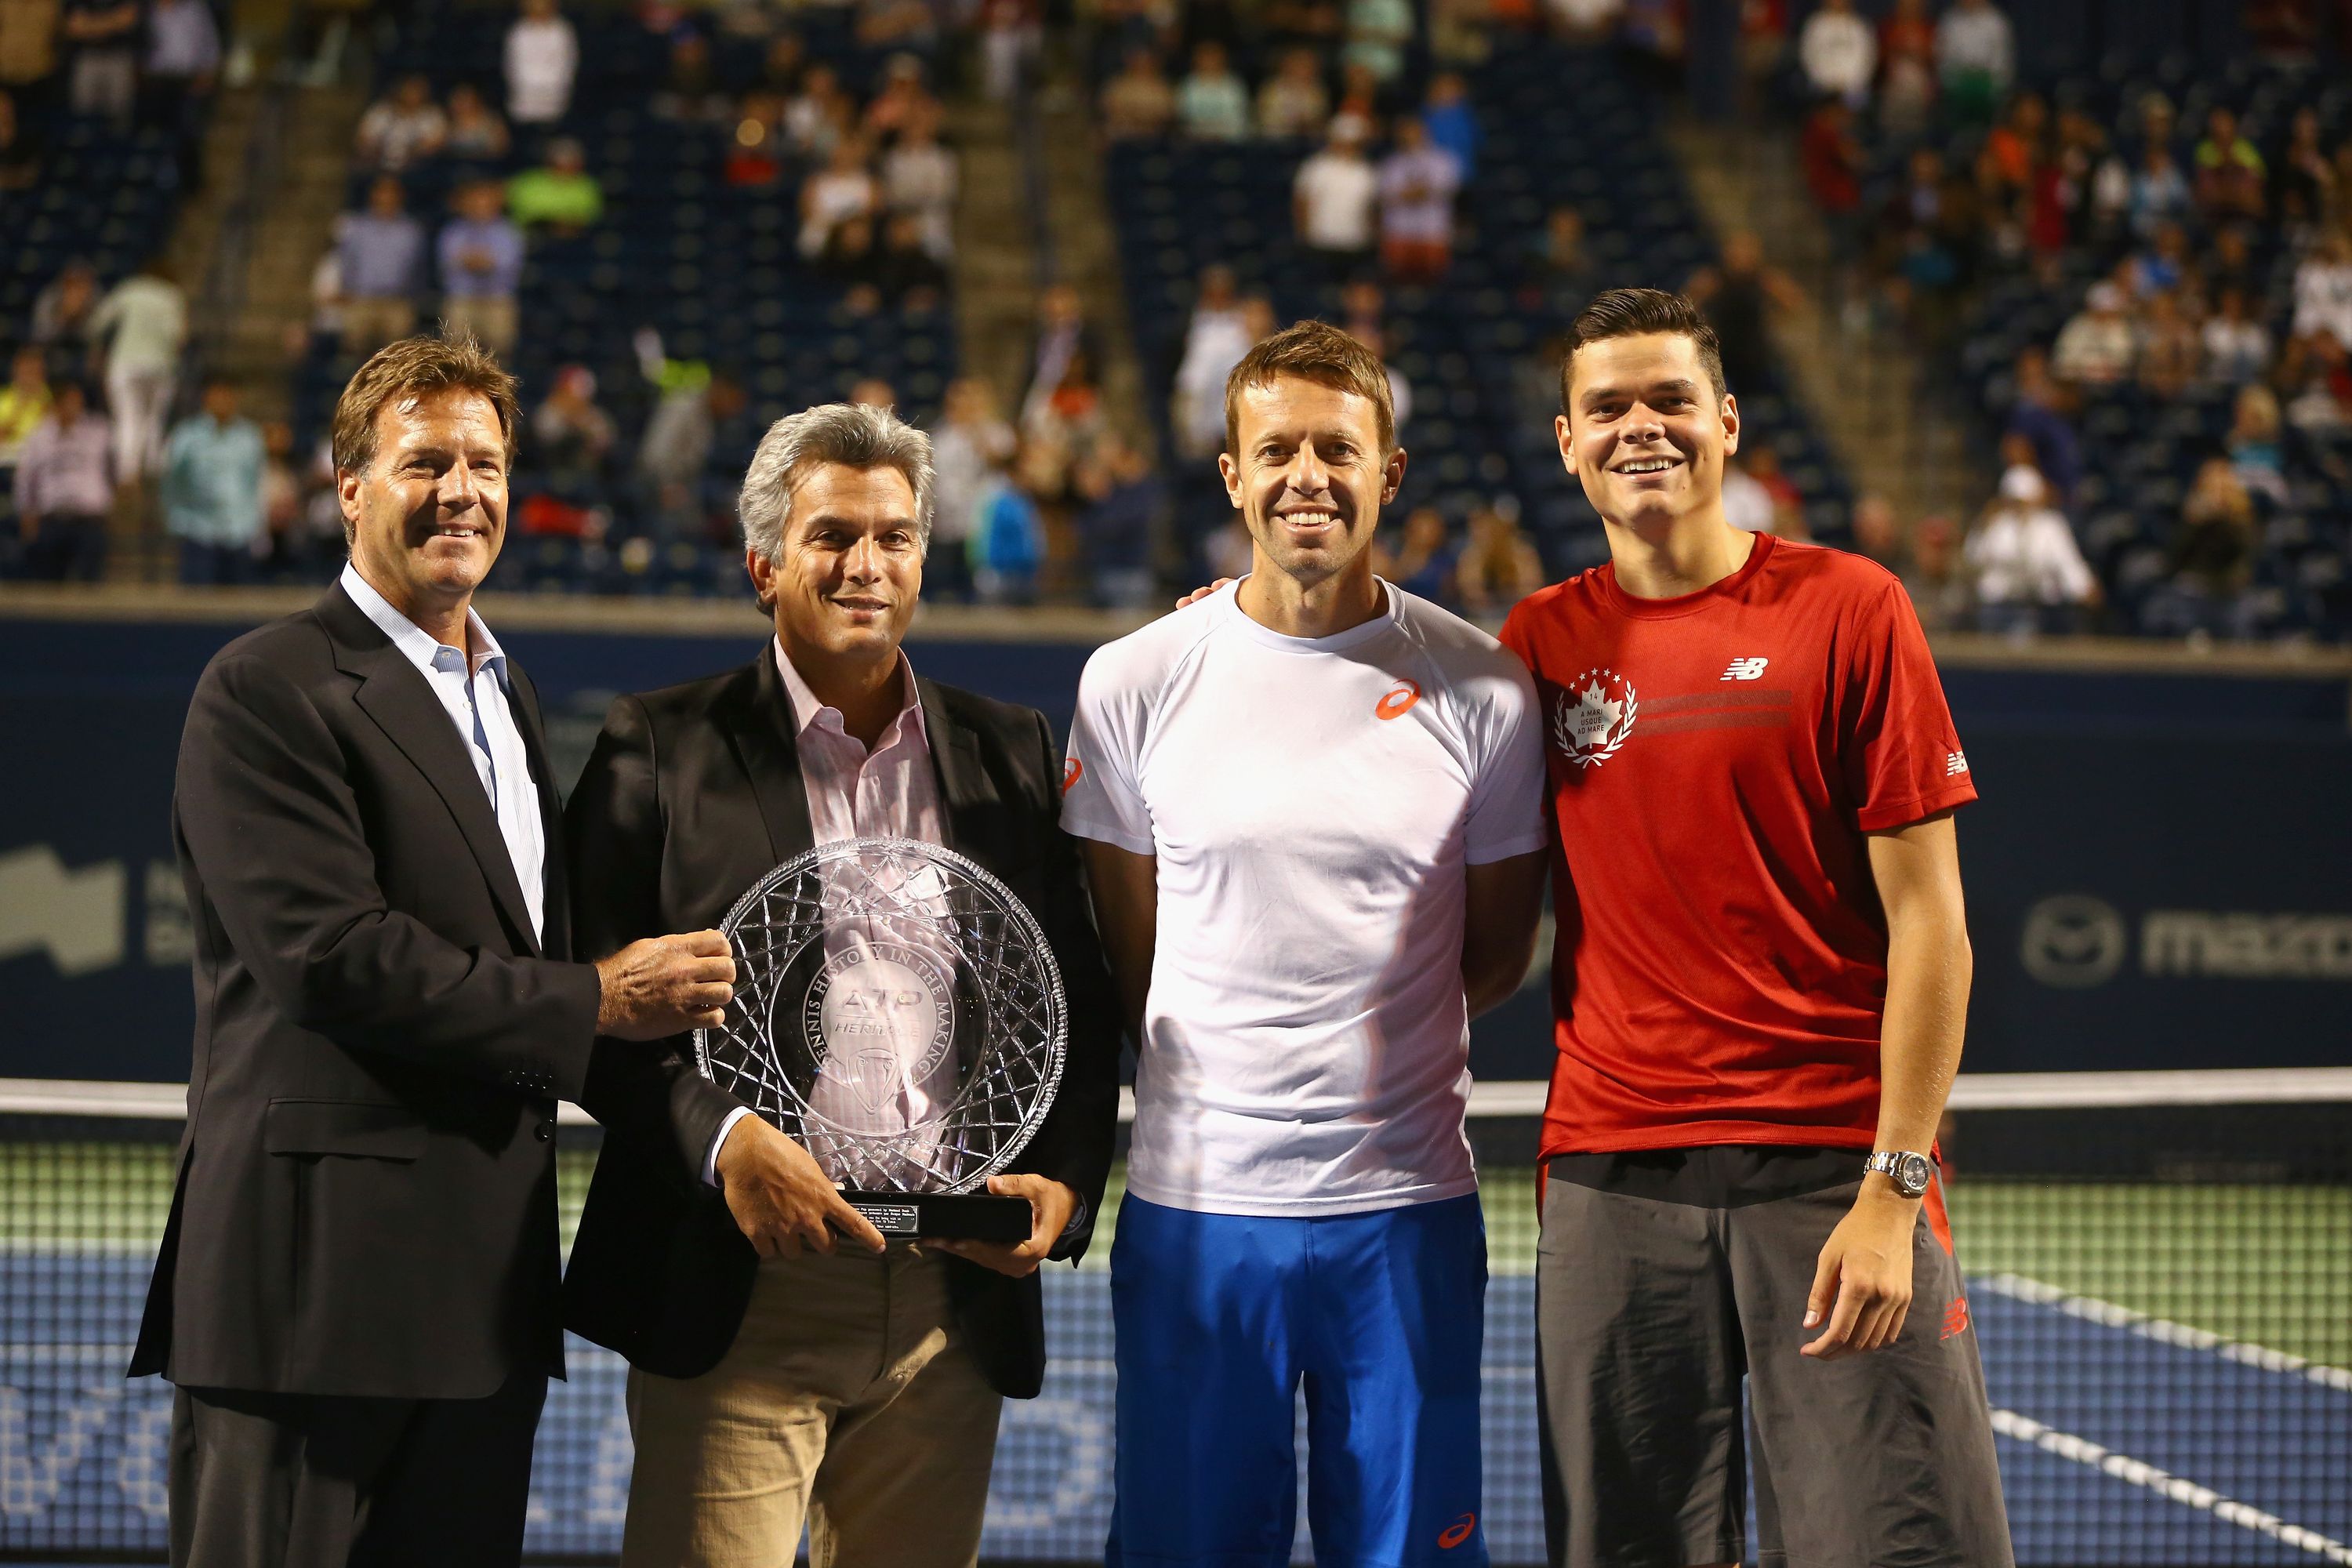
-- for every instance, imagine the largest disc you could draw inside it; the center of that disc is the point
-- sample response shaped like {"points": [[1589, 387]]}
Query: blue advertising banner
{"points": [[2155, 873]]}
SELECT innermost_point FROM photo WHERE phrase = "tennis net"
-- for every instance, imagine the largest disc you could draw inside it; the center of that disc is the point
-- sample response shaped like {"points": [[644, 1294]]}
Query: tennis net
{"points": [[2161, 1269]]}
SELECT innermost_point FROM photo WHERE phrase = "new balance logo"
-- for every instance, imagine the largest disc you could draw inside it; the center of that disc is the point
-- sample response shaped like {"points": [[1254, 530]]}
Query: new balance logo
{"points": [[1955, 763], [1744, 669], [1955, 1317]]}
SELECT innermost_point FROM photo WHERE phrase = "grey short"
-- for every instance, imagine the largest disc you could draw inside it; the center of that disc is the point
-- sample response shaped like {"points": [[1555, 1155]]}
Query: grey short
{"points": [[1664, 1277]]}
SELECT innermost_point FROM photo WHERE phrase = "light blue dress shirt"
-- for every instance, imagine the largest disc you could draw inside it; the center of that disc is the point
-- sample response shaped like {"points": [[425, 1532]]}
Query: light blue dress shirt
{"points": [[475, 694]]}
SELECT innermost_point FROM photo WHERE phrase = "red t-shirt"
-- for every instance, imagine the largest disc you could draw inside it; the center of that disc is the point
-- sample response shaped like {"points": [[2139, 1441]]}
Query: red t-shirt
{"points": [[1720, 971]]}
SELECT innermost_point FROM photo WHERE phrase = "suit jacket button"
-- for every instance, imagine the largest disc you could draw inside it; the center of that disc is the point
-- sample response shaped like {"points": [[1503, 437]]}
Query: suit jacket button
{"points": [[546, 1131]]}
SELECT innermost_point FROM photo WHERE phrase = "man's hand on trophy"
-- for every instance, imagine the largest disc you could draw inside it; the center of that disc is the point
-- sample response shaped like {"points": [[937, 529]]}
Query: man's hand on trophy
{"points": [[665, 985], [1050, 1206], [781, 1199]]}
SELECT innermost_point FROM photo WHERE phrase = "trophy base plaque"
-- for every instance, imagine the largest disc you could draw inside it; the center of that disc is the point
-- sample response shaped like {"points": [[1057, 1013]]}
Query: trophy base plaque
{"points": [[944, 1217]]}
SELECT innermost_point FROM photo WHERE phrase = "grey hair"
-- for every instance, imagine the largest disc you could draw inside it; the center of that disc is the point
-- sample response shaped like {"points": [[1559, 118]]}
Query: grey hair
{"points": [[855, 433]]}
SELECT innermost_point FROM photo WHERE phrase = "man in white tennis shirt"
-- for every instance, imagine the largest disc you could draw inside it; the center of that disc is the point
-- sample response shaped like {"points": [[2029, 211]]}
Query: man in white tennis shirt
{"points": [[1312, 805]]}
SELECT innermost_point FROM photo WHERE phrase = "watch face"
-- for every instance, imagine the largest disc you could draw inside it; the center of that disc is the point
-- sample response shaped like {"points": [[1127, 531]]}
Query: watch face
{"points": [[1911, 1174]]}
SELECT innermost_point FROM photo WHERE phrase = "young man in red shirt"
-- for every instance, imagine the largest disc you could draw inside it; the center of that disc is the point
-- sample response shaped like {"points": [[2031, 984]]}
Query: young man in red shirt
{"points": [[1760, 985]]}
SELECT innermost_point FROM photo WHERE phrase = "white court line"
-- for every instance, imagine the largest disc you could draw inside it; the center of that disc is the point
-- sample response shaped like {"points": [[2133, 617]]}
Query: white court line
{"points": [[2164, 1331], [2140, 1473]]}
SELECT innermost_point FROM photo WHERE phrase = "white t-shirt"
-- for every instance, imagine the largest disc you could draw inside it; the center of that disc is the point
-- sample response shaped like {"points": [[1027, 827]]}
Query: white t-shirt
{"points": [[1337, 196], [1312, 804]]}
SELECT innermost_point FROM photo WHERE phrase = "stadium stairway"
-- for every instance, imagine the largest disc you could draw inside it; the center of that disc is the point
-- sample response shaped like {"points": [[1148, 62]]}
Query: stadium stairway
{"points": [[995, 250], [1083, 240], [1862, 384]]}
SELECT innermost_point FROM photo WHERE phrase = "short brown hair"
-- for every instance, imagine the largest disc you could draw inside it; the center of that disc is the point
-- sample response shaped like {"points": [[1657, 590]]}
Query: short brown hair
{"points": [[413, 367], [1317, 351], [1631, 312]]}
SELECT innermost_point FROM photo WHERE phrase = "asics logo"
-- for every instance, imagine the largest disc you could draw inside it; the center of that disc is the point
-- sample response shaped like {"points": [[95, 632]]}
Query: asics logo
{"points": [[1396, 700], [1744, 669], [1455, 1534], [1071, 772]]}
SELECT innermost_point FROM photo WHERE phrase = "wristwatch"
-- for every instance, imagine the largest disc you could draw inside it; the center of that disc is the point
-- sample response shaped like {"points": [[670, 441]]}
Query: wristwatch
{"points": [[1909, 1172]]}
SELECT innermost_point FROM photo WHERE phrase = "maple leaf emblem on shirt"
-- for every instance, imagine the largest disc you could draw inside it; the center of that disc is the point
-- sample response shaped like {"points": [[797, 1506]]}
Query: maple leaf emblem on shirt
{"points": [[1592, 717]]}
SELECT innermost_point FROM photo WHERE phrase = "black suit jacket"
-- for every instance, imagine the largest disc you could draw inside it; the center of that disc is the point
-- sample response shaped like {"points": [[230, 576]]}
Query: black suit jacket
{"points": [[691, 795], [365, 1198]]}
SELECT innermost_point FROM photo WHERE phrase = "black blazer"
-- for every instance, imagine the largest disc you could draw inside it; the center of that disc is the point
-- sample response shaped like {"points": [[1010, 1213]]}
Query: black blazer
{"points": [[691, 795], [365, 1200]]}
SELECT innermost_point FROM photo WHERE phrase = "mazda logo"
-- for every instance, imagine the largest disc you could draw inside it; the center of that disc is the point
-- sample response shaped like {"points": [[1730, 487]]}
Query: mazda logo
{"points": [[2072, 941]]}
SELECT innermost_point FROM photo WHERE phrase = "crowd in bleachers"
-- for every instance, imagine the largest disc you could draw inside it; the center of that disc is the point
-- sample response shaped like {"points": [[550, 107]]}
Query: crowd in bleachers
{"points": [[1452, 186], [102, 107], [2141, 280]]}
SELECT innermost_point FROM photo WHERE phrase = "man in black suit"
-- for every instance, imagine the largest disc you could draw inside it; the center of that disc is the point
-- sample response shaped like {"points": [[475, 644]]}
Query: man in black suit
{"points": [[357, 1294], [787, 1367]]}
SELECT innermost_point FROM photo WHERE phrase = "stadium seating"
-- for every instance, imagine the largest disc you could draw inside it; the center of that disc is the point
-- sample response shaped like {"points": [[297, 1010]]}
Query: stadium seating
{"points": [[104, 195], [1561, 125]]}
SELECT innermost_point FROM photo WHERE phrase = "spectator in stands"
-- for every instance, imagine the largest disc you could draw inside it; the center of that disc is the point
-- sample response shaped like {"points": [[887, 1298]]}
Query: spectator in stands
{"points": [[1740, 298], [1316, 26], [287, 548], [542, 56], [1839, 53], [972, 441], [1585, 21], [143, 322], [1060, 338], [1333, 199], [1422, 563], [697, 400], [2302, 182], [28, 47], [1212, 105], [909, 25], [850, 259], [560, 196], [1559, 272], [1833, 159], [24, 404], [1216, 343], [1876, 535], [212, 491], [2316, 374], [183, 55], [1448, 115], [908, 276], [1459, 30], [2256, 458], [21, 152], [903, 100], [2210, 564], [873, 391], [2097, 347], [2039, 415], [571, 438], [756, 160], [1125, 508], [65, 490], [481, 268], [2169, 348], [1138, 102], [1418, 182], [2232, 180], [2323, 290], [1008, 541], [1937, 580], [2029, 573], [398, 130], [1358, 115], [1011, 33], [1746, 503], [476, 132], [1377, 32], [1906, 68], [918, 183], [1499, 565], [841, 190], [1976, 59], [104, 81], [62, 314], [2160, 194], [690, 92], [2237, 349], [1293, 104], [381, 260]]}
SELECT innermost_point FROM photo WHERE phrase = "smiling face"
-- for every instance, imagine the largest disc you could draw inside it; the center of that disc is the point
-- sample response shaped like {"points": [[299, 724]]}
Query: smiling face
{"points": [[1646, 433], [1308, 475], [427, 512], [848, 568]]}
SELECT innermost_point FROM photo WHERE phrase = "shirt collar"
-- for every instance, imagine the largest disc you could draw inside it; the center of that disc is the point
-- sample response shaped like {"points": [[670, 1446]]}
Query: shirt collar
{"points": [[809, 709], [419, 646]]}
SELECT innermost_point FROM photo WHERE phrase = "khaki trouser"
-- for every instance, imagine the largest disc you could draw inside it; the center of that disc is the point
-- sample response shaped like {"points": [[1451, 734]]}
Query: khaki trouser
{"points": [[489, 317], [847, 1400], [370, 323]]}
